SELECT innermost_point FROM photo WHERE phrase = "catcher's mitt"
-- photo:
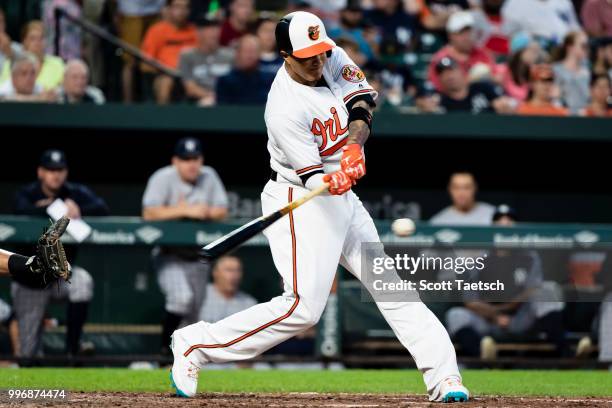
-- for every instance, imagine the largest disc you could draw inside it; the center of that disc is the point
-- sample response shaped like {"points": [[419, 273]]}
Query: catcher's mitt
{"points": [[50, 262]]}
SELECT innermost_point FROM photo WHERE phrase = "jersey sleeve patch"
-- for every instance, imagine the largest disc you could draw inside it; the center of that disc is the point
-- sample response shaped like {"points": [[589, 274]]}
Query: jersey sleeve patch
{"points": [[352, 73]]}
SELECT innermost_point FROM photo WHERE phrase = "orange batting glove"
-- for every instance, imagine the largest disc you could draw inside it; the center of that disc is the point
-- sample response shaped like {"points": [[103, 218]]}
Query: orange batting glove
{"points": [[339, 182], [353, 161]]}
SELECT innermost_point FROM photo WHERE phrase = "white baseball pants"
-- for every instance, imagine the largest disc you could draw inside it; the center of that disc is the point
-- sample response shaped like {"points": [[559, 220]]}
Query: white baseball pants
{"points": [[307, 246]]}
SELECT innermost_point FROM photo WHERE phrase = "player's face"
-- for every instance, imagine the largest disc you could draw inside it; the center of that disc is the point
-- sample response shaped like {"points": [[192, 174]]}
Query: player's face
{"points": [[308, 69], [266, 36], [75, 81], [600, 91], [543, 89], [52, 179], [242, 9], [178, 11], [24, 79], [34, 41], [188, 169], [452, 79], [462, 189], [463, 40], [208, 37], [228, 275]]}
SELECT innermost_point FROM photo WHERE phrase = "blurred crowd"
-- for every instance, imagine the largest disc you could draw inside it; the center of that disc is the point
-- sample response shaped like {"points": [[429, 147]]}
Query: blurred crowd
{"points": [[527, 57]]}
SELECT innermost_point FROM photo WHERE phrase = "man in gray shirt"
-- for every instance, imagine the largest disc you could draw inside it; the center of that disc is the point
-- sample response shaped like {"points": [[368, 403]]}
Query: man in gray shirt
{"points": [[223, 297], [184, 190], [201, 66], [465, 210]]}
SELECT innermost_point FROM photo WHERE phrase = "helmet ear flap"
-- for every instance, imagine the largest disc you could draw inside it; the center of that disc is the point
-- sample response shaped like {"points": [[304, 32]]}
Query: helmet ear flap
{"points": [[283, 42]]}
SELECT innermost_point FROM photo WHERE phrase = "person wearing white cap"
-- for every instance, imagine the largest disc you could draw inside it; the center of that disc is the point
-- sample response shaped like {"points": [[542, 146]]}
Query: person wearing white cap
{"points": [[461, 47], [318, 116]]}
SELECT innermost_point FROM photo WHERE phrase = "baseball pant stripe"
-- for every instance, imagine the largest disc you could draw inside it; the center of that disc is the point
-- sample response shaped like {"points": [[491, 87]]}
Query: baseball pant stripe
{"points": [[275, 321]]}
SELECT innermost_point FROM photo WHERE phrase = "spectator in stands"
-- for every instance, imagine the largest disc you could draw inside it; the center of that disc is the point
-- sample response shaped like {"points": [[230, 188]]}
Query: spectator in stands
{"points": [[135, 19], [488, 25], [602, 57], [22, 86], [351, 26], [184, 190], [223, 297], [542, 89], [164, 42], [269, 59], [241, 14], [202, 65], [601, 103], [70, 44], [246, 84], [458, 95], [352, 50], [571, 70], [549, 20], [464, 210], [8, 50], [393, 21], [597, 17], [434, 14], [514, 77], [75, 88], [461, 48], [427, 100], [51, 71], [30, 304], [397, 83], [526, 304]]}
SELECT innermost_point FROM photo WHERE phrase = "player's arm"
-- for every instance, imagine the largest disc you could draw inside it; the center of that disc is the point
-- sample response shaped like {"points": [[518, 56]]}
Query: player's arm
{"points": [[359, 98], [4, 262]]}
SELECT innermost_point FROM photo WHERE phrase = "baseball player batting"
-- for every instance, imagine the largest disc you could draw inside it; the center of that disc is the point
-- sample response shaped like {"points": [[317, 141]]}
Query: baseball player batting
{"points": [[318, 116]]}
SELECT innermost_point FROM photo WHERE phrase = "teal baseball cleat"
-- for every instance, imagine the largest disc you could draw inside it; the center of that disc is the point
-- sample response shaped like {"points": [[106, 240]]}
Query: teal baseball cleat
{"points": [[453, 391], [184, 373]]}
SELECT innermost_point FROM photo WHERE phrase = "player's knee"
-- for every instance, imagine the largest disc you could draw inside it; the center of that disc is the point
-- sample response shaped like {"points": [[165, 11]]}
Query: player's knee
{"points": [[308, 316]]}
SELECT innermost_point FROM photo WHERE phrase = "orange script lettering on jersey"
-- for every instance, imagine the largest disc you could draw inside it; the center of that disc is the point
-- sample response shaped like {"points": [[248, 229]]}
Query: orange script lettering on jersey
{"points": [[330, 129]]}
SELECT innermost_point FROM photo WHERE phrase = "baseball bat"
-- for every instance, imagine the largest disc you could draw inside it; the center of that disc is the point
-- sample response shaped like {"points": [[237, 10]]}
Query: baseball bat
{"points": [[242, 234]]}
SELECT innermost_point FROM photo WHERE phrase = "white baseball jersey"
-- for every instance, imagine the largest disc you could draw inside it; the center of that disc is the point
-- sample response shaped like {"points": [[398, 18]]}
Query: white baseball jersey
{"points": [[307, 126]]}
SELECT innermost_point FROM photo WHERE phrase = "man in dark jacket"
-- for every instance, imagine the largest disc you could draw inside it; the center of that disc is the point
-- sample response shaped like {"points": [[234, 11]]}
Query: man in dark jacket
{"points": [[246, 84], [30, 304]]}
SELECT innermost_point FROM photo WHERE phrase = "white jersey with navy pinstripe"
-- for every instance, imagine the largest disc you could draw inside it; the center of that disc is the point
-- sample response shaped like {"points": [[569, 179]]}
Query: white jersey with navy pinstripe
{"points": [[307, 126]]}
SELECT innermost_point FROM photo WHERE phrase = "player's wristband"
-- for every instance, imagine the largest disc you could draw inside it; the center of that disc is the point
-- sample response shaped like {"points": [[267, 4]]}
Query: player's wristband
{"points": [[359, 113]]}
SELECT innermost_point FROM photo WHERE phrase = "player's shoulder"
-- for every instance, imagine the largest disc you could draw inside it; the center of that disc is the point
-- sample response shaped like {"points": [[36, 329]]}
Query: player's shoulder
{"points": [[283, 96]]}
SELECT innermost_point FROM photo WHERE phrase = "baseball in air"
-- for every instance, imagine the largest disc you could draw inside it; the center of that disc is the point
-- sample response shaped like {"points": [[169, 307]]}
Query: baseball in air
{"points": [[403, 227]]}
